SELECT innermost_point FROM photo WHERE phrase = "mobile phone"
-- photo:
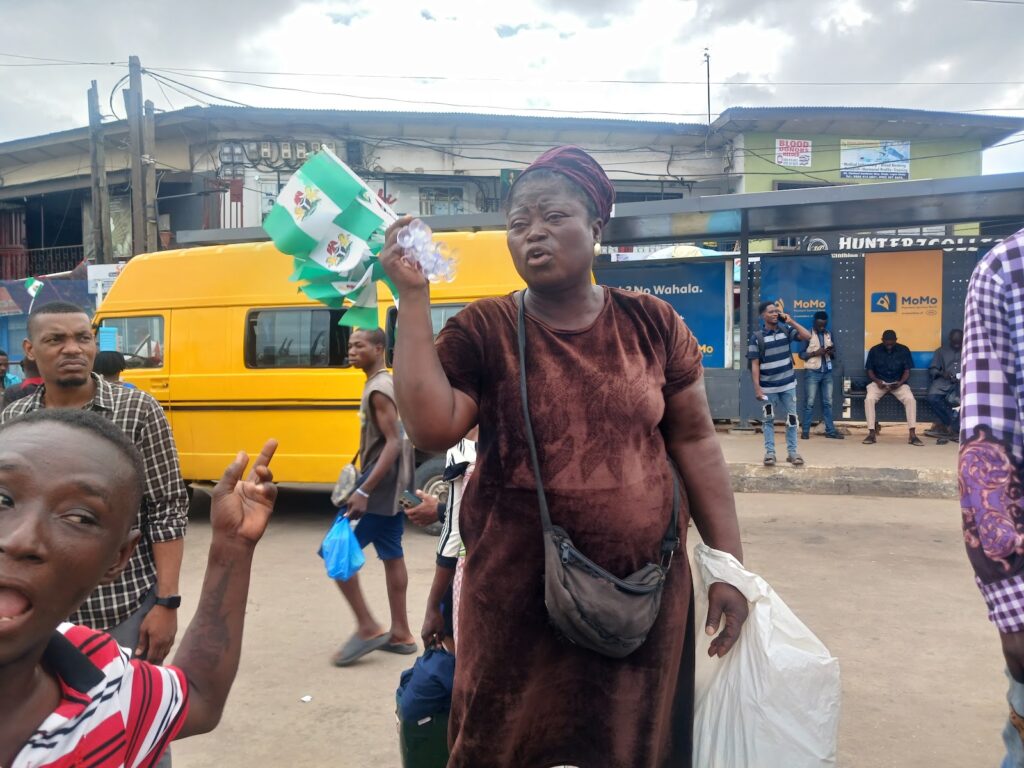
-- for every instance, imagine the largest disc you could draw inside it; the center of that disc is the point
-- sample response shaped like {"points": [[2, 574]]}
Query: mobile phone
{"points": [[409, 500]]}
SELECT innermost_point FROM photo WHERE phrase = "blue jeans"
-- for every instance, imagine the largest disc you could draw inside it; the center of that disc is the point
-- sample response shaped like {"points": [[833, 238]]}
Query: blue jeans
{"points": [[784, 406], [1014, 745], [947, 415], [819, 380]]}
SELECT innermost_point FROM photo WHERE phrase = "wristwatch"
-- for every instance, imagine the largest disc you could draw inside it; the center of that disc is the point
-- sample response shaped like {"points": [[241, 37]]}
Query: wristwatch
{"points": [[171, 601]]}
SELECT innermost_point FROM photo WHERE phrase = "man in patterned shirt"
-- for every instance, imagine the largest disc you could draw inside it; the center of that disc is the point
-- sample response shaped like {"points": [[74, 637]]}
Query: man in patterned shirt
{"points": [[70, 488], [139, 608], [992, 458]]}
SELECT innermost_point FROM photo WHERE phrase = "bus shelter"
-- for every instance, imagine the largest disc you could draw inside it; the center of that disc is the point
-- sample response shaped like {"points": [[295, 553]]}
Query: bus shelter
{"points": [[915, 285]]}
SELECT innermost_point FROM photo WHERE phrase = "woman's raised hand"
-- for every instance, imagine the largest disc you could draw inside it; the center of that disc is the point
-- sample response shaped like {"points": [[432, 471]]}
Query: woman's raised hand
{"points": [[405, 274]]}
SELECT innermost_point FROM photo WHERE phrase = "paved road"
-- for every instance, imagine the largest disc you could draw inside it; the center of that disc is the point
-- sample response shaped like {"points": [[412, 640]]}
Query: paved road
{"points": [[884, 583]]}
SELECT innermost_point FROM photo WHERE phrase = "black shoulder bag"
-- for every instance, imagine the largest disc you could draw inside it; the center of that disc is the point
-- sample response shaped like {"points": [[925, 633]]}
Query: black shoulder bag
{"points": [[588, 605]]}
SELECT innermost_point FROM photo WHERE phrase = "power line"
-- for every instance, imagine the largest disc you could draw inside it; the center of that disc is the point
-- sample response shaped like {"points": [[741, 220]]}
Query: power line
{"points": [[169, 80], [432, 103], [999, 2], [843, 83]]}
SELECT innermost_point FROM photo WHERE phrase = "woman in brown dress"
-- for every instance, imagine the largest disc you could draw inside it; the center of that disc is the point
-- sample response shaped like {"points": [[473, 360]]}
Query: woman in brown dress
{"points": [[615, 390]]}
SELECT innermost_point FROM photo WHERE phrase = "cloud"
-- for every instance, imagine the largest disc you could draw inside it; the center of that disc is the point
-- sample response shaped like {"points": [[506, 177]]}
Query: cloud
{"points": [[508, 30], [427, 15], [345, 19]]}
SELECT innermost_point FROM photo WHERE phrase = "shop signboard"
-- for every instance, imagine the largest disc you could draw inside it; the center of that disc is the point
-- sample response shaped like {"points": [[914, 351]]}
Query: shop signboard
{"points": [[874, 159], [793, 153]]}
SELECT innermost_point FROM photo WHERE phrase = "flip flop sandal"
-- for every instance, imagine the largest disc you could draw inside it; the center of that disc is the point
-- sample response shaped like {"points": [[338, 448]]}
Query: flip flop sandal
{"points": [[356, 647], [403, 649], [915, 441], [796, 460], [769, 460], [870, 440]]}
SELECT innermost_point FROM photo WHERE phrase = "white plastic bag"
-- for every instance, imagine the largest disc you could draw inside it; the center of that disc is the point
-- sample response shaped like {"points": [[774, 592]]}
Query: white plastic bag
{"points": [[773, 701]]}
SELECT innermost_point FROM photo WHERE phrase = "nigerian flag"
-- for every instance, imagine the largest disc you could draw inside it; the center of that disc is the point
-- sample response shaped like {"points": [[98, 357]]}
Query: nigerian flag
{"points": [[332, 225], [310, 202], [33, 286]]}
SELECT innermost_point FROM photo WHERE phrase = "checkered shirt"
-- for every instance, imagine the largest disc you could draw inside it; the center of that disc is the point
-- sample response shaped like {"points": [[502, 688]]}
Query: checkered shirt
{"points": [[164, 512], [991, 468]]}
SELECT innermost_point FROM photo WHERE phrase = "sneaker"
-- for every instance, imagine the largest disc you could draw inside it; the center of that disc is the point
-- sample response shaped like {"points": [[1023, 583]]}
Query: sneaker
{"points": [[795, 459], [835, 436]]}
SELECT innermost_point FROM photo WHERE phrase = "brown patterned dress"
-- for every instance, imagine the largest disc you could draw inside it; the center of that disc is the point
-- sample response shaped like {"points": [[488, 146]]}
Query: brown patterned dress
{"points": [[525, 698]]}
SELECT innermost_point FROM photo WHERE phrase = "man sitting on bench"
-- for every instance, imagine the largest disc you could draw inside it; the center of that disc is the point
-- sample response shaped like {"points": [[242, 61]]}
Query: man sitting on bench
{"points": [[888, 366]]}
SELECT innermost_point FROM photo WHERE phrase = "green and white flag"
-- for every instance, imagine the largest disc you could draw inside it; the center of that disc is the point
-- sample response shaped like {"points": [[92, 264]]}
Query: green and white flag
{"points": [[333, 225], [33, 286], [307, 206]]}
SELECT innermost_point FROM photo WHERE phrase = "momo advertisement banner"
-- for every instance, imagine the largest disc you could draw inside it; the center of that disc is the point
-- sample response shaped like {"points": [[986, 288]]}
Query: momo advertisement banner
{"points": [[700, 291], [903, 292], [800, 285]]}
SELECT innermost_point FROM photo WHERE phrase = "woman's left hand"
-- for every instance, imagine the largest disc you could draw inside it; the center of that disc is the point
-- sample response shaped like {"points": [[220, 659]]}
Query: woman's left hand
{"points": [[724, 600]]}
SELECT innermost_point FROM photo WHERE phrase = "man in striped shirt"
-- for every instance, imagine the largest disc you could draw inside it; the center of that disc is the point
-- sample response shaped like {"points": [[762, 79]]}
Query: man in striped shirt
{"points": [[771, 366], [70, 697]]}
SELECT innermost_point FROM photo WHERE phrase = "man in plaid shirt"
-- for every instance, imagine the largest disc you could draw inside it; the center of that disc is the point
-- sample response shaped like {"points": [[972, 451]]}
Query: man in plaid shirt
{"points": [[139, 608], [992, 458]]}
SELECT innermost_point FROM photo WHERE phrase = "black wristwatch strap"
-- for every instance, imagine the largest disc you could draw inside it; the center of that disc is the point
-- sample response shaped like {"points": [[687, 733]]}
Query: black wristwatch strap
{"points": [[171, 601]]}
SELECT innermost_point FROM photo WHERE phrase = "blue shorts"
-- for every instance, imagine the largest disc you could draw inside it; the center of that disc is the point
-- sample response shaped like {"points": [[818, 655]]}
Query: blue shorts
{"points": [[385, 533]]}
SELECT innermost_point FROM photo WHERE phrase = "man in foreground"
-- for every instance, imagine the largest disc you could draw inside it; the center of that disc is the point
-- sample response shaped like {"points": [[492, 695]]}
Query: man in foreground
{"points": [[70, 488], [139, 608], [888, 367], [992, 460]]}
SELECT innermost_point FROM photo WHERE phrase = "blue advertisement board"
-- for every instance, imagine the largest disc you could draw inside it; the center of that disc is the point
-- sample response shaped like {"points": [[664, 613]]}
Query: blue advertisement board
{"points": [[700, 291], [802, 285]]}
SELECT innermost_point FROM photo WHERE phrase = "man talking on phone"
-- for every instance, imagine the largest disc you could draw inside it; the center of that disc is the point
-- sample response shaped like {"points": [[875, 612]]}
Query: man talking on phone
{"points": [[771, 366], [385, 464]]}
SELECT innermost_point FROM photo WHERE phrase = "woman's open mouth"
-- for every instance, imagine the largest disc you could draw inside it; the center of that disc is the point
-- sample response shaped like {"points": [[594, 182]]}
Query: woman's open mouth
{"points": [[537, 257]]}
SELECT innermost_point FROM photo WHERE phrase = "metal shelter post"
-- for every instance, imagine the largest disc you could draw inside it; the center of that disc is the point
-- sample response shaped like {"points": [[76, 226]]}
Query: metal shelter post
{"points": [[744, 395]]}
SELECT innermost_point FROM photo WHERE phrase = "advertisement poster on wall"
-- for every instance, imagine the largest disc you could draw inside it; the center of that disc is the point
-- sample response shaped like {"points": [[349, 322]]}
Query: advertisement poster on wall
{"points": [[874, 159], [793, 153], [801, 285], [903, 292], [700, 291]]}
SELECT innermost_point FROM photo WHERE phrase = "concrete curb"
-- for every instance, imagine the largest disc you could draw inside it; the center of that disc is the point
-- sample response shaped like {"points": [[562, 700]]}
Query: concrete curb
{"points": [[847, 481]]}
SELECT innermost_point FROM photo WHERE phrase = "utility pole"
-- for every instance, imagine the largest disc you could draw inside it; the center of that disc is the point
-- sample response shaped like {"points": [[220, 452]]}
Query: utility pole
{"points": [[101, 239], [707, 65], [133, 106], [149, 174]]}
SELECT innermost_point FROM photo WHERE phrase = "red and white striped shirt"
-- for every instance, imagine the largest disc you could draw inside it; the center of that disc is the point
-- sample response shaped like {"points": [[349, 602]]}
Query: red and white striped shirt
{"points": [[114, 712]]}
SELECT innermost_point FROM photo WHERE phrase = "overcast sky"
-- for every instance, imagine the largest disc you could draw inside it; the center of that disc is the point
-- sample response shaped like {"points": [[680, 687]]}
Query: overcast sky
{"points": [[531, 54]]}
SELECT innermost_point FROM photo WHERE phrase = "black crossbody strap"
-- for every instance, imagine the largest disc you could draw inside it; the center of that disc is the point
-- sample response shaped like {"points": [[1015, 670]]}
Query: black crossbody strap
{"points": [[542, 500], [670, 542]]}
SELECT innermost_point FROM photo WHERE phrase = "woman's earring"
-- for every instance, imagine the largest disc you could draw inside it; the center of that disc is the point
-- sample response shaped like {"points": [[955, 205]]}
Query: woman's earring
{"points": [[597, 249]]}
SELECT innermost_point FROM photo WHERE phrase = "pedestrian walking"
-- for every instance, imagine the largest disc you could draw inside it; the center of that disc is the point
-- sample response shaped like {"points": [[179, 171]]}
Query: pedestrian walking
{"points": [[992, 460], [819, 356], [771, 368], [386, 464], [615, 392]]}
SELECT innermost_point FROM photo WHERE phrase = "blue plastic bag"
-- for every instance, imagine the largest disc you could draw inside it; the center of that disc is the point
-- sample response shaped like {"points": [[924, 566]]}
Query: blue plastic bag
{"points": [[342, 554], [426, 688]]}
